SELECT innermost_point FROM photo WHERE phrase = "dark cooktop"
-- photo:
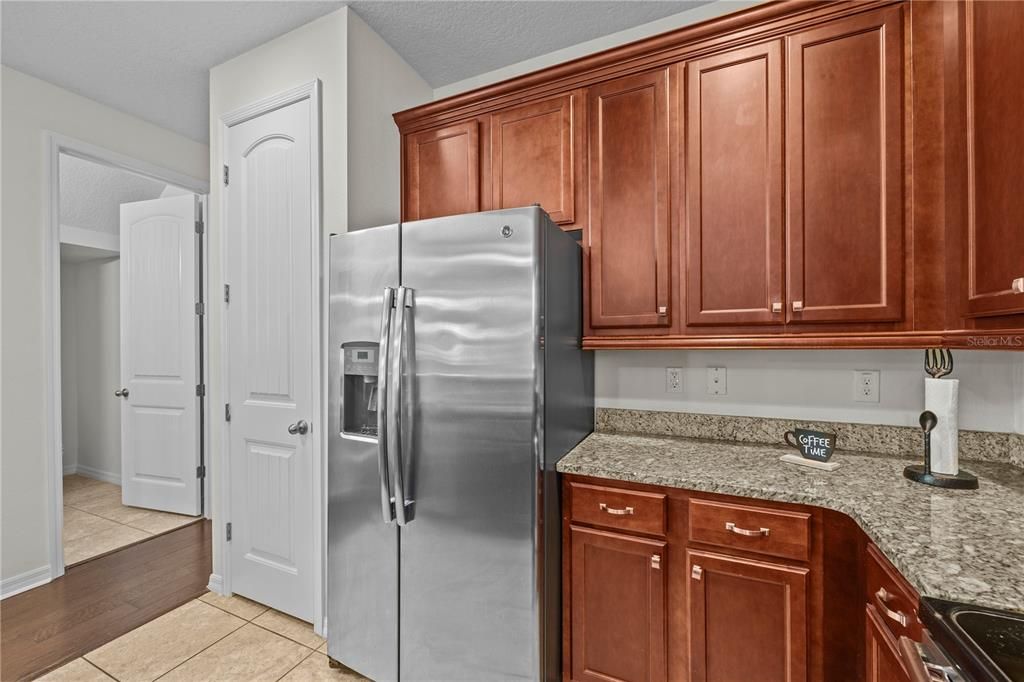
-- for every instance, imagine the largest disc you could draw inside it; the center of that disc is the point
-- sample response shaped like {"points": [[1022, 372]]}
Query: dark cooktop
{"points": [[987, 644]]}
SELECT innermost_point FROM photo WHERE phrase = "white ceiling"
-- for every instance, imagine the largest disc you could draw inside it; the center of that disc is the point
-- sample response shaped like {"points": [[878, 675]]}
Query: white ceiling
{"points": [[91, 194], [149, 59], [152, 59], [451, 41]]}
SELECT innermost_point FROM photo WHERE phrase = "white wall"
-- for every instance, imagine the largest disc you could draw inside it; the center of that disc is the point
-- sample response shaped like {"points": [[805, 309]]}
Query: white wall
{"points": [[362, 82], [379, 84], [98, 368], [30, 107], [813, 385], [674, 21]]}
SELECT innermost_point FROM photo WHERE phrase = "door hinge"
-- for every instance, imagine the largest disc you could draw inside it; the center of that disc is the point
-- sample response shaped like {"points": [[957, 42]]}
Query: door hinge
{"points": [[200, 308], [227, 293], [201, 390], [227, 412], [227, 532], [226, 173], [199, 226], [201, 471]]}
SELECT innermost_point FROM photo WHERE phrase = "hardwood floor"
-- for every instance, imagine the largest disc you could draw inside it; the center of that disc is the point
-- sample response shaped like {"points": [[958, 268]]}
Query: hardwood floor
{"points": [[100, 600]]}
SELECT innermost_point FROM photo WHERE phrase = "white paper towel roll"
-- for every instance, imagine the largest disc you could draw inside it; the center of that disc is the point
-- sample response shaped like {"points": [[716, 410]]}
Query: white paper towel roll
{"points": [[941, 396]]}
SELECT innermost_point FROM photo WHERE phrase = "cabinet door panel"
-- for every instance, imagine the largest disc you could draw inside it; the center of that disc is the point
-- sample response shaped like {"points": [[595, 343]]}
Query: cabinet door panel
{"points": [[734, 187], [845, 178], [536, 156], [618, 607], [629, 181], [442, 171], [748, 619], [882, 658], [994, 53]]}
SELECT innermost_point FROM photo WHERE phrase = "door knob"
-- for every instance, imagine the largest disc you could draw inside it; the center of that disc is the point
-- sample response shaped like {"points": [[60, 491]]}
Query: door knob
{"points": [[300, 427], [121, 393]]}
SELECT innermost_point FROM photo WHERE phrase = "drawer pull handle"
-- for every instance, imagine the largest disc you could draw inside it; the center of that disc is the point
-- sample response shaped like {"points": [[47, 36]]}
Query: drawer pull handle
{"points": [[628, 511], [882, 600], [733, 528]]}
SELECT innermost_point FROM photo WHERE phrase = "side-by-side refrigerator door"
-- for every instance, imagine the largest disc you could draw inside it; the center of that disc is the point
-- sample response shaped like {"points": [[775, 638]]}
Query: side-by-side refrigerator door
{"points": [[468, 567], [362, 537]]}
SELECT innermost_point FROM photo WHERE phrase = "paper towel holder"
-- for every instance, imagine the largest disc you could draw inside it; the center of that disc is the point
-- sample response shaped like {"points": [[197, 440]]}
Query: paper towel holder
{"points": [[962, 480]]}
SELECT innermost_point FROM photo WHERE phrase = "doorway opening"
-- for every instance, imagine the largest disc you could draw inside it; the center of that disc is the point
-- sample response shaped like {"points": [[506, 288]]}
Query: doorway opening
{"points": [[128, 408]]}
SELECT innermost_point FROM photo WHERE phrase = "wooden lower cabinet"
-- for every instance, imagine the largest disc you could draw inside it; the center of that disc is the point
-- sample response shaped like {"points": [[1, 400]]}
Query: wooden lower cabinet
{"points": [[747, 619], [618, 606], [882, 660]]}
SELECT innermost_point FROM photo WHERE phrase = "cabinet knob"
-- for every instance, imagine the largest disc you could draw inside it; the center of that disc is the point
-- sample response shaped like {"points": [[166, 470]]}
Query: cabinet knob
{"points": [[656, 561], [696, 572], [776, 307], [798, 306], [1018, 285], [662, 310]]}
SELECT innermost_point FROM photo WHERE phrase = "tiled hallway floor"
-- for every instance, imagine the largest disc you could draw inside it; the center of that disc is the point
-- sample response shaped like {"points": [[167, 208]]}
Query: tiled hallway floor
{"points": [[209, 639], [95, 521]]}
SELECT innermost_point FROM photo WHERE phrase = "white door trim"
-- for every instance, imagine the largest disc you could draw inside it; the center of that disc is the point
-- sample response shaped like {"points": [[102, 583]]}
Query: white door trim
{"points": [[55, 144], [222, 582]]}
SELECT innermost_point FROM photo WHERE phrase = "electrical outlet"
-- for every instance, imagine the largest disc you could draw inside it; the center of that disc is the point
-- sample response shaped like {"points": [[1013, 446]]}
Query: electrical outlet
{"points": [[673, 380], [717, 381], [865, 385]]}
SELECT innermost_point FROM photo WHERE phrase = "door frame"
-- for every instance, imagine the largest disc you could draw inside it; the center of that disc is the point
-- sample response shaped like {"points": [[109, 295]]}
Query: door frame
{"points": [[221, 583], [55, 144]]}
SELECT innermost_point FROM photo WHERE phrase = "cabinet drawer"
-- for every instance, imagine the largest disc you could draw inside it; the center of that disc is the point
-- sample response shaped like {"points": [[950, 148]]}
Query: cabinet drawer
{"points": [[618, 508], [894, 600], [753, 529]]}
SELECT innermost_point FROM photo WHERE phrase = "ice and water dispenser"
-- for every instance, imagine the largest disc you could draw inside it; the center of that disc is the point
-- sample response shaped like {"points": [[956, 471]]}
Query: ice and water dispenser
{"points": [[360, 388]]}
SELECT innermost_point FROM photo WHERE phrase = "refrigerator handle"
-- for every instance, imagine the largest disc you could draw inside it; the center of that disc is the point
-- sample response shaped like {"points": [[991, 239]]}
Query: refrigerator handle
{"points": [[403, 301], [386, 499]]}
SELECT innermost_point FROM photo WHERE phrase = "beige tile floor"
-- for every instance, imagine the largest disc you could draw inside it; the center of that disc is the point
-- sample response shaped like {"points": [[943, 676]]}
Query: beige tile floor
{"points": [[95, 521], [211, 639]]}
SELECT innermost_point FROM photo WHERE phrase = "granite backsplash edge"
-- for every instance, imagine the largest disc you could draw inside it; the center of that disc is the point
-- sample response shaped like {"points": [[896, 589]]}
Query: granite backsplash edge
{"points": [[879, 438]]}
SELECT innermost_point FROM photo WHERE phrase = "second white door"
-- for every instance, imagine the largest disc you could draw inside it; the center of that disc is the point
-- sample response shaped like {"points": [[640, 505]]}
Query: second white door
{"points": [[272, 357], [160, 434]]}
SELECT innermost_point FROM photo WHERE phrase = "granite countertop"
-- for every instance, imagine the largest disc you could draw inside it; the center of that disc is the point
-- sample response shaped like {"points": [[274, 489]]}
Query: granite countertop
{"points": [[960, 545]]}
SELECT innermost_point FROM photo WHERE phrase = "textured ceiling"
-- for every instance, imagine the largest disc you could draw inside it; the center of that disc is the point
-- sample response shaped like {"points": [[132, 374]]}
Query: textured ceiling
{"points": [[91, 194], [450, 41], [149, 59], [152, 59]]}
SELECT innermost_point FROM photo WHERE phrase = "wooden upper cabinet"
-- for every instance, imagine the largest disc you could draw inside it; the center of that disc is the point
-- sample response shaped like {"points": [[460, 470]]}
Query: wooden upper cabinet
{"points": [[747, 619], [994, 53], [537, 158], [845, 170], [733, 228], [628, 233], [442, 173], [618, 608]]}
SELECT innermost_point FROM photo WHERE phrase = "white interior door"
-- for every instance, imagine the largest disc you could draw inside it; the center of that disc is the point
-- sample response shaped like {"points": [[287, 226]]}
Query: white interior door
{"points": [[159, 355], [273, 358]]}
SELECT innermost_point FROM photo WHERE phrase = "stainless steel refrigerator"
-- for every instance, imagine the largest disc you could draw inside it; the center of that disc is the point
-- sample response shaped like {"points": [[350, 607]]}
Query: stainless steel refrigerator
{"points": [[457, 382]]}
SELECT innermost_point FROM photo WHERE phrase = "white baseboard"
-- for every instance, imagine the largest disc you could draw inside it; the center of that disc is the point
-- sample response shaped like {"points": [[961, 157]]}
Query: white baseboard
{"points": [[106, 476], [24, 581], [70, 469], [216, 584]]}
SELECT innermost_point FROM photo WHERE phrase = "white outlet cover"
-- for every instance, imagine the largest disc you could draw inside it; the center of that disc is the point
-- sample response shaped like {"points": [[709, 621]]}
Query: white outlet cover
{"points": [[673, 380], [717, 381], [865, 385]]}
